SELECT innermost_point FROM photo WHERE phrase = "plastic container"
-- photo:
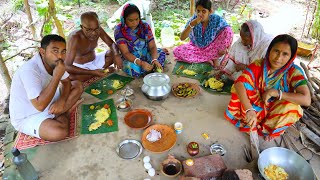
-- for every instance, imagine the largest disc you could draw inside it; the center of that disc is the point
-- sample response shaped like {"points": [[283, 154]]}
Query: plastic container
{"points": [[25, 168], [167, 36], [178, 127]]}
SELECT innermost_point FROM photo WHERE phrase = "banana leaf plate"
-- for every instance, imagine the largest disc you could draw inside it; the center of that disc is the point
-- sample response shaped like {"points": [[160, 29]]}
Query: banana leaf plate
{"points": [[88, 117], [226, 89], [104, 88], [201, 70]]}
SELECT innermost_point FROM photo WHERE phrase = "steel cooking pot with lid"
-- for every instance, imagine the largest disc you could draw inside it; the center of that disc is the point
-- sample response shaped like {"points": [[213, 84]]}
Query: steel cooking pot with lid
{"points": [[156, 86]]}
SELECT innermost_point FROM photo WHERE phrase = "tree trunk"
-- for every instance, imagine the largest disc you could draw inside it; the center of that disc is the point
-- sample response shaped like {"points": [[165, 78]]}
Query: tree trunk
{"points": [[28, 11], [3, 68], [52, 12], [192, 6]]}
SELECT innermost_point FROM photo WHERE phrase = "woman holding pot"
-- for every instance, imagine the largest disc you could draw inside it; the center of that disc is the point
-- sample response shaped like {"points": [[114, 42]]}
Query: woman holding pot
{"points": [[268, 96]]}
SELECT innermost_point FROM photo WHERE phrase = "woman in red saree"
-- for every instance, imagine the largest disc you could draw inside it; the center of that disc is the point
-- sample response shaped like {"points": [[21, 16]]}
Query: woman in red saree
{"points": [[269, 94]]}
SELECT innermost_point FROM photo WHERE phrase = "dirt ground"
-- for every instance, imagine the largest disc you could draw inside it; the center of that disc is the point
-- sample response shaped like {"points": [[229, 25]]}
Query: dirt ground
{"points": [[95, 157]]}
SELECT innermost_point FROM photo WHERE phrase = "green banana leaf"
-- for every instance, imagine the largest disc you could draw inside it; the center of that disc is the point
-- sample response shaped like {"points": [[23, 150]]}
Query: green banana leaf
{"points": [[88, 117], [105, 85], [226, 89], [202, 70]]}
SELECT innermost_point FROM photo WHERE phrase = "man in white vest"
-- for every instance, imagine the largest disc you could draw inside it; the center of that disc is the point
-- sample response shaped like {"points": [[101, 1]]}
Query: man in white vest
{"points": [[38, 105]]}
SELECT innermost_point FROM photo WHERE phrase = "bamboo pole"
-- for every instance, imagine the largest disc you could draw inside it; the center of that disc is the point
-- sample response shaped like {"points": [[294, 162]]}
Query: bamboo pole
{"points": [[28, 11], [192, 7], [52, 12]]}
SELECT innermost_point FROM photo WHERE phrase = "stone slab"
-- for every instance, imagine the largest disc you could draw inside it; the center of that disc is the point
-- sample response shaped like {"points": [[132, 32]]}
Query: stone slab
{"points": [[205, 167]]}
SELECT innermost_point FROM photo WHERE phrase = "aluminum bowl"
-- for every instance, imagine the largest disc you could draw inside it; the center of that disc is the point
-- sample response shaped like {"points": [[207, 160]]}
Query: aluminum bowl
{"points": [[156, 86], [295, 165]]}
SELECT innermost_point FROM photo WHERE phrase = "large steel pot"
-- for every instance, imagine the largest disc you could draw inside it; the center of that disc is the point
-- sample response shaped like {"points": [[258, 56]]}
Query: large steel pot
{"points": [[295, 165], [156, 86]]}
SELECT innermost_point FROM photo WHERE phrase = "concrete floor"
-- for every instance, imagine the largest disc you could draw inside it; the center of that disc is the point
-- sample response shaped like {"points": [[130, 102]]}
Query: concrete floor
{"points": [[95, 157]]}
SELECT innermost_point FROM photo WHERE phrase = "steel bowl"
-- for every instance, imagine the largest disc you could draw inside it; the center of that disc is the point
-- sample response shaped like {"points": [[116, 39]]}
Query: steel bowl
{"points": [[156, 86], [122, 100], [218, 149], [293, 164]]}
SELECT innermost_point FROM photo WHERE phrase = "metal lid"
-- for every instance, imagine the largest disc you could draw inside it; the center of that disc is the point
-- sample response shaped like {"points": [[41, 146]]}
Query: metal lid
{"points": [[156, 79], [129, 149], [217, 149]]}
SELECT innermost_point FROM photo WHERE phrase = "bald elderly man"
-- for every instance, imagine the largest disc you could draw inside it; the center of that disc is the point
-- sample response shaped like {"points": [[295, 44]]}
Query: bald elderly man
{"points": [[82, 62]]}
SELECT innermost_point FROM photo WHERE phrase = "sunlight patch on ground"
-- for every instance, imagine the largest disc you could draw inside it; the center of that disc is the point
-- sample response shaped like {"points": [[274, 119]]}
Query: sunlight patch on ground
{"points": [[282, 21]]}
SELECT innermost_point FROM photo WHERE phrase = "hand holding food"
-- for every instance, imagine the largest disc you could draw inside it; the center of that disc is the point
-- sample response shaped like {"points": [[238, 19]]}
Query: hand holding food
{"points": [[99, 72], [158, 67], [146, 66]]}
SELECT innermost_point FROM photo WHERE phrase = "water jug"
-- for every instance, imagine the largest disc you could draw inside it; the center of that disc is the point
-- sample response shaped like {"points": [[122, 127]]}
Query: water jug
{"points": [[167, 36]]}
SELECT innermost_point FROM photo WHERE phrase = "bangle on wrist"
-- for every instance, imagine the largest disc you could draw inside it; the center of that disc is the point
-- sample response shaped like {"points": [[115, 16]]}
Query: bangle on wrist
{"points": [[154, 61], [191, 26], [135, 61], [280, 94], [250, 109]]}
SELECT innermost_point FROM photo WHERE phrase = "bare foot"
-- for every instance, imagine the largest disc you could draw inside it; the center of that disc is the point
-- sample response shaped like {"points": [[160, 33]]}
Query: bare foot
{"points": [[211, 63], [269, 138], [75, 105], [166, 51]]}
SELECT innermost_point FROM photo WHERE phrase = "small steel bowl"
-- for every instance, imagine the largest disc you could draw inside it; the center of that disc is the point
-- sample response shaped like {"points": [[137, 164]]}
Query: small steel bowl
{"points": [[129, 92], [129, 149], [126, 109], [217, 149]]}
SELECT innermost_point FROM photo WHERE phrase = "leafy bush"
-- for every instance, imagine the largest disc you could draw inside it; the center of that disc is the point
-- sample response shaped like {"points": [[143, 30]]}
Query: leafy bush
{"points": [[18, 5]]}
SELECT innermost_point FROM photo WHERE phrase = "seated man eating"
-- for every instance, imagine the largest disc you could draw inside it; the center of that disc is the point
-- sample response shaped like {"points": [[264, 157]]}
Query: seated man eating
{"points": [[38, 107], [81, 60]]}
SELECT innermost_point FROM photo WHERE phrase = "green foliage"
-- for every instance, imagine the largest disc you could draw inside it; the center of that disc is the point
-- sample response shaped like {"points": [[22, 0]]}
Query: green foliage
{"points": [[42, 7], [176, 18], [47, 28], [43, 11], [194, 145], [18, 5], [243, 15], [163, 5], [316, 24]]}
